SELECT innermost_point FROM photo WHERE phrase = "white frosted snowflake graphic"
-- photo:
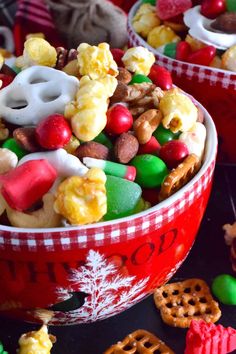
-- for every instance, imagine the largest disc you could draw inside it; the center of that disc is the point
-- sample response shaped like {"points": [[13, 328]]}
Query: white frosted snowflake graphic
{"points": [[109, 292]]}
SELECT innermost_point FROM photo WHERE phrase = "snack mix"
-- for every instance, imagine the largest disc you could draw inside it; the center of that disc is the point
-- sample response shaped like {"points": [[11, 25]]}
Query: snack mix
{"points": [[203, 34], [78, 131]]}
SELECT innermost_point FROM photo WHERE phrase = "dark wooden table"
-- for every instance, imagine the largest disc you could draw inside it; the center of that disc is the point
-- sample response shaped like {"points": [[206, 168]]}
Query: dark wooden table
{"points": [[208, 258]]}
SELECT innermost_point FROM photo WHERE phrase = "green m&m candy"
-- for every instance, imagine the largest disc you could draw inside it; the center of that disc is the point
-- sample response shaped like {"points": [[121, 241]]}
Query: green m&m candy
{"points": [[151, 170], [224, 288], [163, 135], [12, 145], [139, 78], [152, 2], [103, 139], [231, 5]]}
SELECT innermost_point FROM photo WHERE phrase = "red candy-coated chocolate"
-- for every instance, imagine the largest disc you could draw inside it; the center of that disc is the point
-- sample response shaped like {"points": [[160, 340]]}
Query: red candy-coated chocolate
{"points": [[117, 54], [151, 147], [53, 132], [119, 120], [27, 183], [203, 56], [170, 8], [161, 77], [208, 338], [212, 8], [6, 80], [183, 50], [173, 153]]}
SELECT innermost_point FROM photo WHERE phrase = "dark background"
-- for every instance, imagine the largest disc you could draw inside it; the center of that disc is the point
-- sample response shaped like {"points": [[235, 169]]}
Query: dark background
{"points": [[208, 258]]}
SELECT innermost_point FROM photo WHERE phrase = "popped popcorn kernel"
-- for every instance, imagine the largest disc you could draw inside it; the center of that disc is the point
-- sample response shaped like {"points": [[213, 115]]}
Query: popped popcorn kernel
{"points": [[138, 60], [1, 61], [82, 200], [37, 51], [35, 342], [145, 19], [162, 35], [96, 61], [88, 111], [178, 110]]}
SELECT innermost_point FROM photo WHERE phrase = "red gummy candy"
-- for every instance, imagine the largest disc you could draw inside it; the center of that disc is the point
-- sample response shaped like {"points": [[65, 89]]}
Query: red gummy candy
{"points": [[203, 56], [170, 8], [213, 8], [183, 50], [209, 338], [161, 77], [27, 183], [117, 54]]}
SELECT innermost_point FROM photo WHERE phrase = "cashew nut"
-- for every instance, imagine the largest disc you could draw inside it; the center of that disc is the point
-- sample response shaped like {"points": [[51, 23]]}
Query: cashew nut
{"points": [[42, 218]]}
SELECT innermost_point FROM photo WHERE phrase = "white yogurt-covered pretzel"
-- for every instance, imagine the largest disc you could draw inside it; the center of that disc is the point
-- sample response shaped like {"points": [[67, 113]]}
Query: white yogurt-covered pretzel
{"points": [[39, 91], [200, 28], [66, 164]]}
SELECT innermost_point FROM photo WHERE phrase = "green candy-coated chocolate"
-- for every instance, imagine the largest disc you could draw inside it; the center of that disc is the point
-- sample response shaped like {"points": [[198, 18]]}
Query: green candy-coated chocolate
{"points": [[152, 2], [122, 197], [139, 78], [224, 288], [103, 139], [12, 145], [170, 50], [231, 5], [163, 135], [2, 351], [151, 170]]}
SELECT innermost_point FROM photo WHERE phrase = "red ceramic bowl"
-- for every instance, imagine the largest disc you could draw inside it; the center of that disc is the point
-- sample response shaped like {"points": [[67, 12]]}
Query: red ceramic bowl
{"points": [[214, 88], [88, 273]]}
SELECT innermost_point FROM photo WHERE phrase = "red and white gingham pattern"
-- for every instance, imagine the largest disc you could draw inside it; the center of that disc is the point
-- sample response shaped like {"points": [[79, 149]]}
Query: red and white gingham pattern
{"points": [[226, 79], [109, 233]]}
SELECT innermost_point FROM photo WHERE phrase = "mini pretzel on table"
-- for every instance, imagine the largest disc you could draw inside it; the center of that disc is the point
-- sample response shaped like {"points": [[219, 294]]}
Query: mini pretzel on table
{"points": [[179, 176]]}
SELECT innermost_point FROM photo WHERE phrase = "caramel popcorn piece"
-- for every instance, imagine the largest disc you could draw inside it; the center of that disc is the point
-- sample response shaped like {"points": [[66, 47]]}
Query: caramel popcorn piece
{"points": [[138, 60], [162, 35], [37, 51], [88, 112], [178, 110], [96, 61], [145, 19], [39, 342], [82, 200]]}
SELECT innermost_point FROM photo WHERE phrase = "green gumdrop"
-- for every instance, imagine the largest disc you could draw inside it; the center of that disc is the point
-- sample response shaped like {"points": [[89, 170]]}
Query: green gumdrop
{"points": [[224, 288], [163, 135], [170, 50], [12, 145], [139, 78], [103, 139], [152, 2], [151, 170], [231, 5], [122, 197]]}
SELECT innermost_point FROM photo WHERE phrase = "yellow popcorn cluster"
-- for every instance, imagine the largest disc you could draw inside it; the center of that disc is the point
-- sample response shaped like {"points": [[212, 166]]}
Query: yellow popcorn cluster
{"points": [[162, 35], [138, 60], [88, 111], [178, 111], [96, 61], [82, 200], [37, 51], [145, 19], [35, 342]]}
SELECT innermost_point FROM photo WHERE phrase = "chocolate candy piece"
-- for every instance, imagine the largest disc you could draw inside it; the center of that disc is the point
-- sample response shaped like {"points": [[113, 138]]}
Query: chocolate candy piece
{"points": [[224, 288], [151, 170], [12, 145], [225, 22], [139, 78]]}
